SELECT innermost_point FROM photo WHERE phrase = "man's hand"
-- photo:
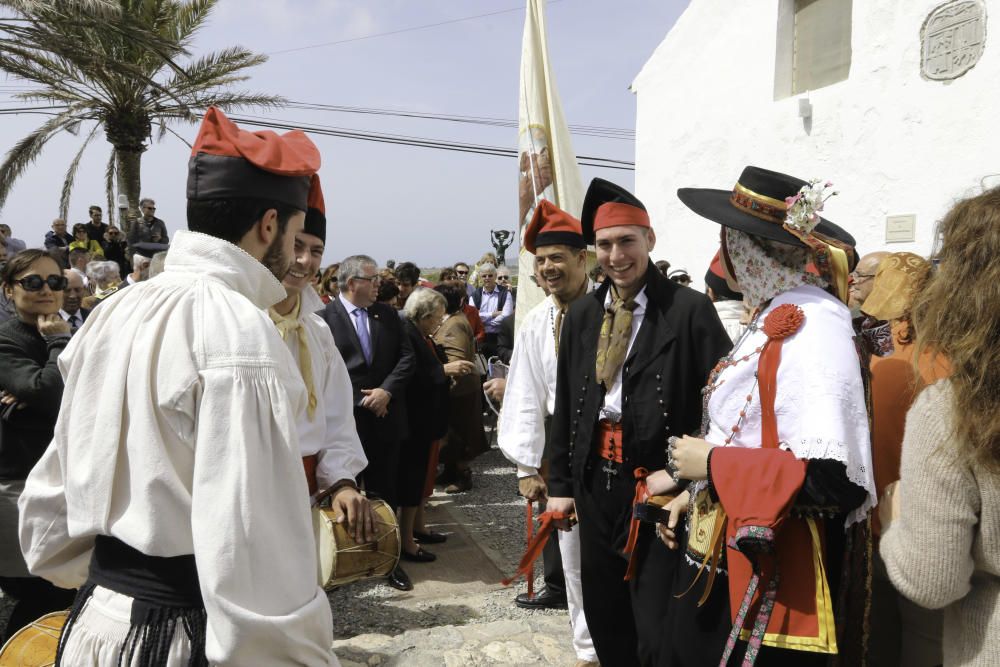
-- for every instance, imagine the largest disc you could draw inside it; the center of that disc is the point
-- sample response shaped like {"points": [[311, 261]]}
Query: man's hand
{"points": [[354, 508], [691, 458], [458, 367], [660, 483], [532, 487], [495, 388], [376, 400], [565, 505], [495, 314], [676, 507], [52, 325]]}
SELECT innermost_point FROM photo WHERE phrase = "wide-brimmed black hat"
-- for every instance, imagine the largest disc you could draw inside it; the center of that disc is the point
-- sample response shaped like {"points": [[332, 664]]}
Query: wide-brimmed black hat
{"points": [[756, 205], [603, 192]]}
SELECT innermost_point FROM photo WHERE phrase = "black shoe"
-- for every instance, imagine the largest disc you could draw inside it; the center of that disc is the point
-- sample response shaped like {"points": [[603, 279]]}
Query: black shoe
{"points": [[420, 557], [544, 600], [399, 580], [430, 537], [462, 483]]}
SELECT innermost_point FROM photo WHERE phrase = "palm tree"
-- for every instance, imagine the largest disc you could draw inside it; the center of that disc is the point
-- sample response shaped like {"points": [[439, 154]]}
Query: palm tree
{"points": [[116, 64]]}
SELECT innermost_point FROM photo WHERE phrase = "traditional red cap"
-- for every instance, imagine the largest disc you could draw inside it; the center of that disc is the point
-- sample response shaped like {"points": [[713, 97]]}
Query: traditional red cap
{"points": [[550, 225], [316, 213], [614, 214], [227, 162]]}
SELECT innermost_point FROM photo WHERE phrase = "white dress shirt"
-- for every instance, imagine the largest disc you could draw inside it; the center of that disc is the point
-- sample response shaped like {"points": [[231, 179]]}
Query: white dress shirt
{"points": [[613, 398], [489, 304], [192, 449], [69, 317], [350, 308]]}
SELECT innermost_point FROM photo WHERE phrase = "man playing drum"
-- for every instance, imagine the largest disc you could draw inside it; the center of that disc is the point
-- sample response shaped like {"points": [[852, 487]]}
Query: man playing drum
{"points": [[178, 506]]}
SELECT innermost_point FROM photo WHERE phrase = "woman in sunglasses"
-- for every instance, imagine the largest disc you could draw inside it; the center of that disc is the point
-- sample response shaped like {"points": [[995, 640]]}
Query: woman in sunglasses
{"points": [[30, 392]]}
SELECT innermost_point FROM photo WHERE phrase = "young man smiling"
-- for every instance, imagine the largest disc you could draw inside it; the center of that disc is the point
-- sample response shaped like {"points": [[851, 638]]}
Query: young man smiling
{"points": [[633, 357]]}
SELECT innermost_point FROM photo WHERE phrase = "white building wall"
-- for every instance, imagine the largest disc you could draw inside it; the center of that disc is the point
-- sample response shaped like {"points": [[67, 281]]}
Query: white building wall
{"points": [[892, 142]]}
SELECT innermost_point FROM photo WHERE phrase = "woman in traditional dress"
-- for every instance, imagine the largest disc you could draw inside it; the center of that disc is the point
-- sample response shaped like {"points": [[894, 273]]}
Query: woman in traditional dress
{"points": [[781, 473]]}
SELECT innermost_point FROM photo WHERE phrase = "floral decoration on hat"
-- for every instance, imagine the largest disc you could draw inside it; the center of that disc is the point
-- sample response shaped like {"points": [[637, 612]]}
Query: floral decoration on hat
{"points": [[804, 207]]}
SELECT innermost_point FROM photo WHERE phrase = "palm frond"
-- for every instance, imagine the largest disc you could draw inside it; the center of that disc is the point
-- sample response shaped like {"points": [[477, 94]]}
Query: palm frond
{"points": [[26, 150], [189, 18], [71, 172]]}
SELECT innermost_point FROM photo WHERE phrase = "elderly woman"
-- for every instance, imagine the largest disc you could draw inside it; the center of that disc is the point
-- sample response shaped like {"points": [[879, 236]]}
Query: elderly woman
{"points": [[31, 388], [83, 241], [941, 529], [466, 439], [781, 472], [427, 411]]}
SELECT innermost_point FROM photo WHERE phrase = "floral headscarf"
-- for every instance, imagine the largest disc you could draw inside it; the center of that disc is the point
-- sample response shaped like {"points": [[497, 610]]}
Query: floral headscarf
{"points": [[765, 269]]}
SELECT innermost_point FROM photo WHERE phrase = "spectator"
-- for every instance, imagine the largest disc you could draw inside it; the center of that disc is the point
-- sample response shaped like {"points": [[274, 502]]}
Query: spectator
{"points": [[680, 276], [103, 279], [96, 229], [663, 266], [157, 263], [14, 246], [597, 275], [31, 388], [81, 240], [427, 412], [73, 296], [447, 274], [407, 277], [503, 279], [940, 528], [494, 306], [475, 278], [861, 279], [115, 250], [465, 422], [462, 271], [727, 301], [902, 633], [78, 260], [57, 241], [148, 228], [388, 290], [329, 287], [141, 256]]}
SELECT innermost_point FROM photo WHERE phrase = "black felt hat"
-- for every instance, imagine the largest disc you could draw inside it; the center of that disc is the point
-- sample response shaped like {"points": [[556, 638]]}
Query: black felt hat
{"points": [[756, 205], [315, 222], [603, 192]]}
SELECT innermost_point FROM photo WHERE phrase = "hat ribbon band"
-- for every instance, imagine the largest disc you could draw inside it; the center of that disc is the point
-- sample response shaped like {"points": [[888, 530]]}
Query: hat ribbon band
{"points": [[758, 205]]}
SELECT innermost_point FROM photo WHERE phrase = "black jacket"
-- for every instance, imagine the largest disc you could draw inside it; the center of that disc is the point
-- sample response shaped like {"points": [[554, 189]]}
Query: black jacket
{"points": [[680, 341], [391, 368], [505, 340], [427, 396], [30, 373]]}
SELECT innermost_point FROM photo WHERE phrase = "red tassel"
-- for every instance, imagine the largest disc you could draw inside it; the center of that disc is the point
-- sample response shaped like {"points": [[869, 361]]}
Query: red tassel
{"points": [[641, 495], [535, 545]]}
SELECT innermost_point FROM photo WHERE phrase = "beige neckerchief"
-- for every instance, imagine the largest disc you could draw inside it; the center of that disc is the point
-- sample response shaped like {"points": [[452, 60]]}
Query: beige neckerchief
{"points": [[616, 332], [290, 325]]}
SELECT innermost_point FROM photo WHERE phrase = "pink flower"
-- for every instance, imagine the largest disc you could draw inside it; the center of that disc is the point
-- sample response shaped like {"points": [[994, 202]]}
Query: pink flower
{"points": [[790, 201], [829, 184]]}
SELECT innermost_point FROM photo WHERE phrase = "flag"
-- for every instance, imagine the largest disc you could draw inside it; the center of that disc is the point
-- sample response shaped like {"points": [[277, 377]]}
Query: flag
{"points": [[547, 162]]}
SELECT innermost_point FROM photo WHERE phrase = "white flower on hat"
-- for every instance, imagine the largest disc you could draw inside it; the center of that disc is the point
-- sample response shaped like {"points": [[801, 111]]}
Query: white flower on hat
{"points": [[803, 208]]}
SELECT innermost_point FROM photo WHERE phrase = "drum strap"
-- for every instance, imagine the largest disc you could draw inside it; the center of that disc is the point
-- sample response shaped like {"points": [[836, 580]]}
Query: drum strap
{"points": [[536, 544]]}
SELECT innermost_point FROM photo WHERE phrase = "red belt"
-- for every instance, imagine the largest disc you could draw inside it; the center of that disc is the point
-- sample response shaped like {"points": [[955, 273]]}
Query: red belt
{"points": [[309, 464], [609, 441]]}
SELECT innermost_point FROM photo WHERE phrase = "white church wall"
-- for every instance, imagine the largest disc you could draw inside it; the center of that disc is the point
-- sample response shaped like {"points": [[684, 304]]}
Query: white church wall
{"points": [[893, 142]]}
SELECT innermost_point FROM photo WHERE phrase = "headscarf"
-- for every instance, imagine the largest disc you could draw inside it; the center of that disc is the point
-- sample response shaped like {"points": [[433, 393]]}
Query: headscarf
{"points": [[764, 269]]}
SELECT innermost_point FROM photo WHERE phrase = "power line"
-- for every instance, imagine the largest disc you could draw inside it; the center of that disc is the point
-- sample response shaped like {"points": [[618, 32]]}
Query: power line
{"points": [[402, 30]]}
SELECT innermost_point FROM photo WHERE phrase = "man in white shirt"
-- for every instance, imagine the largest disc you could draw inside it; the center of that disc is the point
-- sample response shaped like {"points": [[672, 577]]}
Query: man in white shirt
{"points": [[495, 304], [179, 506], [72, 296], [556, 240], [328, 438]]}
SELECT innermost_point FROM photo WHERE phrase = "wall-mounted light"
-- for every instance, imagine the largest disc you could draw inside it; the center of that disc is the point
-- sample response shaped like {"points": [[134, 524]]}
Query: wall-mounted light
{"points": [[805, 108]]}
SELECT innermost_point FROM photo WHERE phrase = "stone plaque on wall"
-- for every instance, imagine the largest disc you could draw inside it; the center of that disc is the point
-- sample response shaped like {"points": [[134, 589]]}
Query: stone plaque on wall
{"points": [[952, 39]]}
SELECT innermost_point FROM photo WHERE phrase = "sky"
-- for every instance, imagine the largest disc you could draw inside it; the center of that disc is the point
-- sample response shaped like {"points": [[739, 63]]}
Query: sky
{"points": [[432, 207]]}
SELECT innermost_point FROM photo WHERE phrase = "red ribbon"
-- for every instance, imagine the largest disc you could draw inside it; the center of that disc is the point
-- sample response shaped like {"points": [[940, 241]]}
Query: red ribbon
{"points": [[535, 545], [641, 495]]}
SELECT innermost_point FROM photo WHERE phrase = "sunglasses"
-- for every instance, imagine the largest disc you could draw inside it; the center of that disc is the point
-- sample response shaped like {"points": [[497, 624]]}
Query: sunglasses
{"points": [[35, 283], [462, 273], [503, 279]]}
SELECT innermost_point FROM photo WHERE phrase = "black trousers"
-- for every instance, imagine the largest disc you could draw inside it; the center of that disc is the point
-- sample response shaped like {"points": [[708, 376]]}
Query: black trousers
{"points": [[625, 618], [35, 598], [381, 475], [489, 346]]}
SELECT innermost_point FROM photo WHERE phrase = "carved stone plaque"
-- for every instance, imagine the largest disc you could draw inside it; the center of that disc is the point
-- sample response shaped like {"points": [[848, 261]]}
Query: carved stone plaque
{"points": [[953, 38]]}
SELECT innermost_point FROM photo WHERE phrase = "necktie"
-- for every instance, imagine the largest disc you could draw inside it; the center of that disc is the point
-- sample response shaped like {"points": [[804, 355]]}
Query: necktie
{"points": [[289, 325], [616, 330], [361, 324]]}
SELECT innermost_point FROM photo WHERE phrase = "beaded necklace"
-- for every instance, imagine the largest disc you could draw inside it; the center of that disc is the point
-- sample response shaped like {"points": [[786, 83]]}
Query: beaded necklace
{"points": [[730, 361]]}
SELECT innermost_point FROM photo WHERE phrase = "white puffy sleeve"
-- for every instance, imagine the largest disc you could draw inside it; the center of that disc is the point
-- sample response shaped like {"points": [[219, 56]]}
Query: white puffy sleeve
{"points": [[342, 456], [251, 527], [521, 434]]}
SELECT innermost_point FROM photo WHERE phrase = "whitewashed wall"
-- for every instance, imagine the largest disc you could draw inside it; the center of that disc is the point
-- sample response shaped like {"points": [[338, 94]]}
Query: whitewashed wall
{"points": [[892, 142]]}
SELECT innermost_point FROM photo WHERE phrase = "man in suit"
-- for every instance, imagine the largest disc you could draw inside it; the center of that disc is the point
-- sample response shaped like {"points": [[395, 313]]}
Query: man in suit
{"points": [[494, 304], [72, 298], [633, 358], [380, 362]]}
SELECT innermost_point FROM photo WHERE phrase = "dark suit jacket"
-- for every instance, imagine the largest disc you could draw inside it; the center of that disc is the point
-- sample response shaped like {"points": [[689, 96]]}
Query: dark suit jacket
{"points": [[427, 395], [678, 344], [505, 340], [391, 368]]}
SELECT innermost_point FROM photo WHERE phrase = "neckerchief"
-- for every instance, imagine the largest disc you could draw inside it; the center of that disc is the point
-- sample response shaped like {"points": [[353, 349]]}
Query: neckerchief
{"points": [[616, 331], [562, 307], [289, 325]]}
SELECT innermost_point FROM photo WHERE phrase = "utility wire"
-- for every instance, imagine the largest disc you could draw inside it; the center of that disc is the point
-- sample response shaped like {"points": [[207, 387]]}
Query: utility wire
{"points": [[401, 30]]}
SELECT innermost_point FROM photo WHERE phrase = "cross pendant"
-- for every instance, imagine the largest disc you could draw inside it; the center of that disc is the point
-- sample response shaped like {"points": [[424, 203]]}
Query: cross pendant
{"points": [[611, 470]]}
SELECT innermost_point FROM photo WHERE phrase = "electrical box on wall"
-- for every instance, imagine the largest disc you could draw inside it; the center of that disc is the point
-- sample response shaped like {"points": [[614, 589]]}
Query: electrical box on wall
{"points": [[900, 228]]}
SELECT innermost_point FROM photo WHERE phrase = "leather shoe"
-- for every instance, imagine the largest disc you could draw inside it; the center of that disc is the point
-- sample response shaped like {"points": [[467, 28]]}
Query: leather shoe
{"points": [[463, 482], [399, 580], [421, 556], [430, 537], [544, 600]]}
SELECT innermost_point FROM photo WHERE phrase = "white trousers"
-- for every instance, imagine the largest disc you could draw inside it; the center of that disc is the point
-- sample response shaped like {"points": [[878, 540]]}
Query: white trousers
{"points": [[569, 547]]}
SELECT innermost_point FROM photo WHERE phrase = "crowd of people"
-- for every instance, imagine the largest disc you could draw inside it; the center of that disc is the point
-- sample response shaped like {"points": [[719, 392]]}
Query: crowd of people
{"points": [[795, 466]]}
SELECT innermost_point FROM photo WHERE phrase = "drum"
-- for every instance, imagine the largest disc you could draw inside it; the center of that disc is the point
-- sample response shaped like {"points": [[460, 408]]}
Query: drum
{"points": [[35, 645], [342, 560]]}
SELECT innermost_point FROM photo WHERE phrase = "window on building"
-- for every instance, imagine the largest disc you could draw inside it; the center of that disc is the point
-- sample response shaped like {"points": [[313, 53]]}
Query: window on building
{"points": [[814, 45]]}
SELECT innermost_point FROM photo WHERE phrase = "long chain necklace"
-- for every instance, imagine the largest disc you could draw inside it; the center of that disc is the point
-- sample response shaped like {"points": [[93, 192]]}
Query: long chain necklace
{"points": [[730, 361]]}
